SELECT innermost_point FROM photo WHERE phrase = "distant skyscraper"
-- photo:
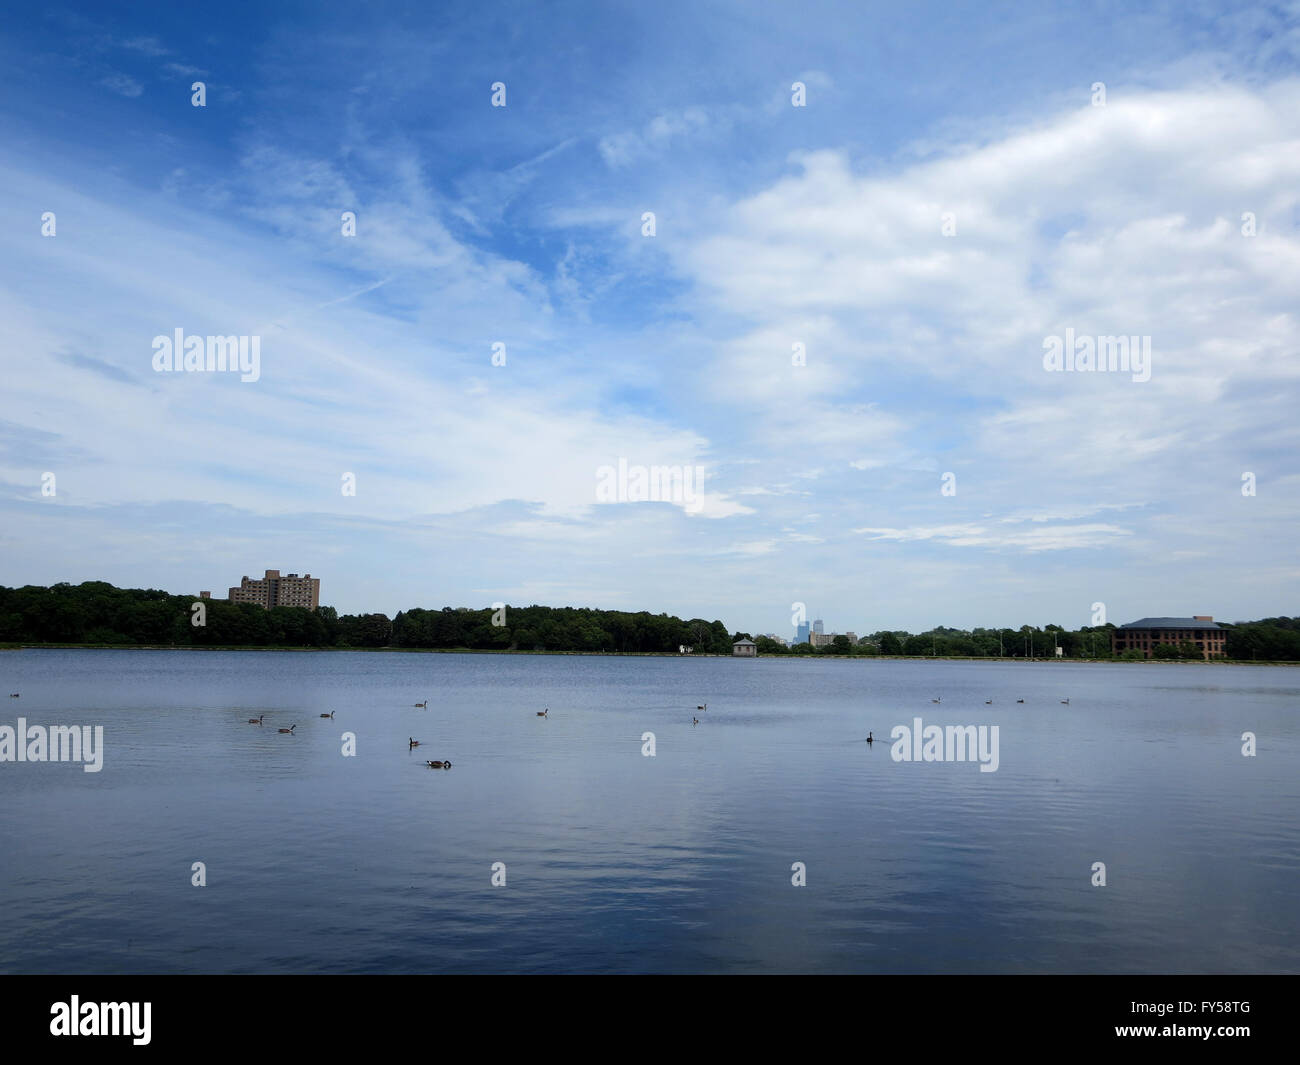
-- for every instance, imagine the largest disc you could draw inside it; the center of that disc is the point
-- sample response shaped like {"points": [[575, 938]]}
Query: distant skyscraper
{"points": [[818, 628], [801, 632]]}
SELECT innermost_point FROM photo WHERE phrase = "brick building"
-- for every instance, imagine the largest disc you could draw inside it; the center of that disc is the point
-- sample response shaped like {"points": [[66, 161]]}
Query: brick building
{"points": [[1146, 634]]}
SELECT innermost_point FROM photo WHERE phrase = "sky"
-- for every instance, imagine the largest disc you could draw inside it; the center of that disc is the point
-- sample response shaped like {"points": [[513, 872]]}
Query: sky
{"points": [[869, 222]]}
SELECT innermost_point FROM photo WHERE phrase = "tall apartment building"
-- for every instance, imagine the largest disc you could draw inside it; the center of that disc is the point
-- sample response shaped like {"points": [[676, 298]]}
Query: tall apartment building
{"points": [[274, 590]]}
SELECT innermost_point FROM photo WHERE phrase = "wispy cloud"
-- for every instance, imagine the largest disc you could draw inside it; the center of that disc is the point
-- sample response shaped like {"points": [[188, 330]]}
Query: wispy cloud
{"points": [[1054, 538], [98, 366], [658, 135], [122, 84], [149, 46]]}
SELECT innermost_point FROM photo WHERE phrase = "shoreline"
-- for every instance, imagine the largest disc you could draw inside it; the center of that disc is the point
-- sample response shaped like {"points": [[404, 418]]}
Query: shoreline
{"points": [[631, 654]]}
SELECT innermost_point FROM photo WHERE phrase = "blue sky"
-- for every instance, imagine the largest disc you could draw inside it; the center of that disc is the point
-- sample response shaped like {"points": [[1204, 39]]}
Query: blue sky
{"points": [[819, 225]]}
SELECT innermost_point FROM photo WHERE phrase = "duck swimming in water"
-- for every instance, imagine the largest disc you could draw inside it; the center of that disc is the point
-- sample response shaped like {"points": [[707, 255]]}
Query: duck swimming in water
{"points": [[869, 738], [438, 765], [289, 729], [330, 715], [413, 744], [424, 705], [255, 720], [544, 713]]}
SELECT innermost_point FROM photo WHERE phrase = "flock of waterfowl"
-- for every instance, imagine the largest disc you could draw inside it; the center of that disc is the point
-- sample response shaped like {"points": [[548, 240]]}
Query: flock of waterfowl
{"points": [[412, 741], [987, 702], [444, 764]]}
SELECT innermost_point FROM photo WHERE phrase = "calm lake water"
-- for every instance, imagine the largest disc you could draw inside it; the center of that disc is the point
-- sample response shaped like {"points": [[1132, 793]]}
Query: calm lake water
{"points": [[617, 862]]}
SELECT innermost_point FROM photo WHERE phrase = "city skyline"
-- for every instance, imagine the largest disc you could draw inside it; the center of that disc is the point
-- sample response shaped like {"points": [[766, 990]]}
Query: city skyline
{"points": [[837, 335]]}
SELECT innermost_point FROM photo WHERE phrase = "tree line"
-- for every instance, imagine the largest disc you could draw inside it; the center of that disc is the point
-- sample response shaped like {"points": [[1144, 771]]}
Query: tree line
{"points": [[97, 613], [1272, 639]]}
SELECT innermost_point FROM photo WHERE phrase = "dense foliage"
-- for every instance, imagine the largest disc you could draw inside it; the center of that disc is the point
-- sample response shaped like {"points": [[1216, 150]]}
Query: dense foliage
{"points": [[1272, 639], [545, 628], [98, 613]]}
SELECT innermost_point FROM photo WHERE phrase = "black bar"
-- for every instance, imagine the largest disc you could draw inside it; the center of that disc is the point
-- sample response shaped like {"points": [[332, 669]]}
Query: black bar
{"points": [[336, 1014]]}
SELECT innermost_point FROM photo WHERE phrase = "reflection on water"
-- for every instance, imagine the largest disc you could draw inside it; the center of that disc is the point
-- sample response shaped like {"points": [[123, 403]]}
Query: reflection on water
{"points": [[618, 862]]}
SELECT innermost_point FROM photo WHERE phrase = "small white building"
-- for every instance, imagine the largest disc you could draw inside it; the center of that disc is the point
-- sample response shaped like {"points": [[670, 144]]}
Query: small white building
{"points": [[744, 649]]}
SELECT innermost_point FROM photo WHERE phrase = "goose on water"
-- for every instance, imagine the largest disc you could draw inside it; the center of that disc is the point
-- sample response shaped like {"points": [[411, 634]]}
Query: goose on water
{"points": [[255, 720], [289, 729]]}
